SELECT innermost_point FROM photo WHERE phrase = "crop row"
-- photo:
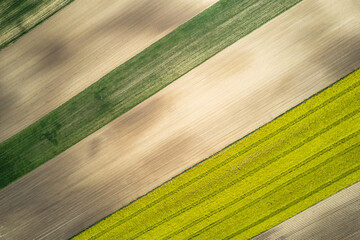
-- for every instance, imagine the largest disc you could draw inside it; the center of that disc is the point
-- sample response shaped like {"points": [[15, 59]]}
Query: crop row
{"points": [[19, 17], [310, 149], [131, 83]]}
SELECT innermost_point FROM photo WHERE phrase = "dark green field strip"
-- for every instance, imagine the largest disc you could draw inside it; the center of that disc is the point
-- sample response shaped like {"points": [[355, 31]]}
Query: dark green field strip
{"points": [[142, 76], [314, 134], [260, 187], [20, 16]]}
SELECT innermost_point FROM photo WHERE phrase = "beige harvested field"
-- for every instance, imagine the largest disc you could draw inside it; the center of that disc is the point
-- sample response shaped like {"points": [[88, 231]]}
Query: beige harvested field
{"points": [[13, 24], [337, 217], [75, 48], [245, 86]]}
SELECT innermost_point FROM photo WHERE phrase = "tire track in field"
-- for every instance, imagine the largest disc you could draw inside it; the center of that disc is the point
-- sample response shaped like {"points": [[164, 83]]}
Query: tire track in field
{"points": [[198, 202], [317, 221], [274, 190], [290, 170], [353, 170], [231, 158]]}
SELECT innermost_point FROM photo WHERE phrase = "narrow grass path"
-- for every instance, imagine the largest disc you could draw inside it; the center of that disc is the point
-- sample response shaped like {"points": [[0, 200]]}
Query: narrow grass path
{"points": [[288, 165], [131, 83], [17, 17]]}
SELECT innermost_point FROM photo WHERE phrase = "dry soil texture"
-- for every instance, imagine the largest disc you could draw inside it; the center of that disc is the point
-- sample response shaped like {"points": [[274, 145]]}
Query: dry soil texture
{"points": [[337, 217], [19, 17], [76, 47], [245, 86]]}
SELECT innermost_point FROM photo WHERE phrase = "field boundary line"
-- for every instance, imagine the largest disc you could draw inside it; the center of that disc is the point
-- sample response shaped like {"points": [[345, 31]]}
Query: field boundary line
{"points": [[228, 160], [250, 173], [13, 40], [351, 171], [88, 112], [274, 179], [330, 159]]}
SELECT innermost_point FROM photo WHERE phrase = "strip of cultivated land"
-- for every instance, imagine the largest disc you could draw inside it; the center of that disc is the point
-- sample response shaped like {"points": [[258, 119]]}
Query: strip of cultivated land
{"points": [[17, 17], [302, 157], [235, 92], [337, 217], [75, 48], [134, 81]]}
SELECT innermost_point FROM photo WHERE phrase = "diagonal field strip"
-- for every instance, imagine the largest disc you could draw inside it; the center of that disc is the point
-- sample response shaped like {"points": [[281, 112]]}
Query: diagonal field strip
{"points": [[220, 190], [342, 176], [260, 187], [131, 83], [317, 221], [202, 112], [56, 61], [345, 118], [19, 17], [258, 142], [303, 174]]}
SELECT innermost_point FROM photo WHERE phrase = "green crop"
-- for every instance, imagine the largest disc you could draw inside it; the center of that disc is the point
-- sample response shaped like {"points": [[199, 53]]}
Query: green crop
{"points": [[293, 162], [17, 17], [131, 83]]}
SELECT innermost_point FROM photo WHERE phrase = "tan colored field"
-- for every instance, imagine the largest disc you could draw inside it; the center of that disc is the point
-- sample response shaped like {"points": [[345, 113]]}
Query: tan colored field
{"points": [[337, 217], [14, 21], [76, 47], [245, 86]]}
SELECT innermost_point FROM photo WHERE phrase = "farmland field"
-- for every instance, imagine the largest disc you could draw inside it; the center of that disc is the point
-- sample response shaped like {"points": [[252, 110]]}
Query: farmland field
{"points": [[240, 89], [20, 16], [302, 157], [142, 76], [317, 222], [75, 48]]}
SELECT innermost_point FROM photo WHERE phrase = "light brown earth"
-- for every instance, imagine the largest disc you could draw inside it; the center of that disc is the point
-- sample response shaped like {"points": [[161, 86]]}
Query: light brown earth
{"points": [[10, 29], [335, 218], [76, 47], [243, 87]]}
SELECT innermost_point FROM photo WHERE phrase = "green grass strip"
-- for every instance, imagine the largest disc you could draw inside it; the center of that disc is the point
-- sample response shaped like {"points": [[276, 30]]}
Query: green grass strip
{"points": [[17, 17], [261, 173], [131, 83]]}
